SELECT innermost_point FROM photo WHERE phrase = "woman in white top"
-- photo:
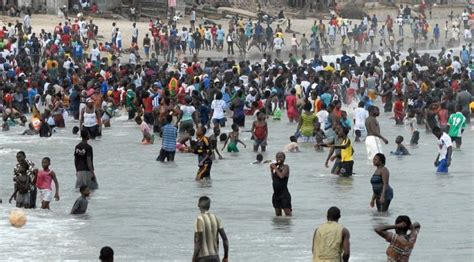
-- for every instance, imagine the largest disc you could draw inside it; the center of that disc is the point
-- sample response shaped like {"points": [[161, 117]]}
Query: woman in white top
{"points": [[217, 110], [90, 119]]}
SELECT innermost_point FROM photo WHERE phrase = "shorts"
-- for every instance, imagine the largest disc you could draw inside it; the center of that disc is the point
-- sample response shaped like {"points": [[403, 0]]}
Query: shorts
{"points": [[149, 118], [209, 259], [258, 142], [204, 171], [119, 44], [186, 126], [220, 122], [45, 195], [93, 131], [239, 120], [282, 201], [346, 168], [232, 148], [23, 200], [442, 166], [337, 166], [456, 139], [373, 145], [166, 155], [84, 178]]}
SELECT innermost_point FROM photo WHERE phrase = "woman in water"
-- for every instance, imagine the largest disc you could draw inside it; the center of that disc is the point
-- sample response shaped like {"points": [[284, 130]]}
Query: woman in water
{"points": [[382, 192], [90, 119], [401, 243], [306, 123], [281, 196]]}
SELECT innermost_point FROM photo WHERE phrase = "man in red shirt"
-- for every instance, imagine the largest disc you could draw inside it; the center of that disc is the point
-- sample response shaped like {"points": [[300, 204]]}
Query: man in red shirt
{"points": [[148, 109]]}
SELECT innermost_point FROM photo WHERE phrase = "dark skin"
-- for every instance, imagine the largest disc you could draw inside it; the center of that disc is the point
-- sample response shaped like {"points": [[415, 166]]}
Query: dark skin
{"points": [[450, 151], [382, 171], [45, 163], [401, 229], [346, 245], [372, 126], [89, 160], [198, 238], [281, 170]]}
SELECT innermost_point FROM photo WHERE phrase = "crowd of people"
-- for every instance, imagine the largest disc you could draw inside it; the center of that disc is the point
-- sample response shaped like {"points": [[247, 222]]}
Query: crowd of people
{"points": [[50, 77]]}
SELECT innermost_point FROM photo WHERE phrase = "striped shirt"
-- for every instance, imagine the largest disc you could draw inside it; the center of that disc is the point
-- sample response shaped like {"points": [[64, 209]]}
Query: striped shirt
{"points": [[169, 137], [208, 224]]}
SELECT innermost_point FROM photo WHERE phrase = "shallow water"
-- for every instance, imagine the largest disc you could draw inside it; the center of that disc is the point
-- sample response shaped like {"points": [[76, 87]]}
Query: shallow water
{"points": [[146, 210]]}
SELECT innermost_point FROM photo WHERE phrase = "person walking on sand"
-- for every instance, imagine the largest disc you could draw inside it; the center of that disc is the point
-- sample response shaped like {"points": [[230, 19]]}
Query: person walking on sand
{"points": [[331, 239]]}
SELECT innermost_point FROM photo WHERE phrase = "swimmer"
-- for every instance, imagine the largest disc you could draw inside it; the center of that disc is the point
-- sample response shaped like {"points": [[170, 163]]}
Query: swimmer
{"points": [[148, 138], [30, 131], [234, 139], [259, 160], [43, 183], [75, 130], [80, 206], [401, 149], [292, 147]]}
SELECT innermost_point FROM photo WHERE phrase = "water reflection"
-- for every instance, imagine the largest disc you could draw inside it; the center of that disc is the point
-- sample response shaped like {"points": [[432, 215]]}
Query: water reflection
{"points": [[282, 223]]}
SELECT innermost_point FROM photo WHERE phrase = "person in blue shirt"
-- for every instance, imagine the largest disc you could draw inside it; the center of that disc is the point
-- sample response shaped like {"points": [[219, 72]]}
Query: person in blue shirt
{"points": [[436, 33], [345, 122], [326, 98]]}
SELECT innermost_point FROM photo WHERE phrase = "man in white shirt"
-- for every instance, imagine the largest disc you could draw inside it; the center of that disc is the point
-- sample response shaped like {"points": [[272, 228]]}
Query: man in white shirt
{"points": [[360, 115], [118, 40], [278, 44], [134, 33], [445, 145], [94, 54], [217, 110]]}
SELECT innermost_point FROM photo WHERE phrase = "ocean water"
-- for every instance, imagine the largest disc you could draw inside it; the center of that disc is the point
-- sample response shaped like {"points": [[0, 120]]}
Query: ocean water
{"points": [[146, 210]]}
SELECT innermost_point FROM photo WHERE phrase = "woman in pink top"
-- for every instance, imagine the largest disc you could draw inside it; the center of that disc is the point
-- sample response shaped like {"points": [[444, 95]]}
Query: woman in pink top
{"points": [[291, 108], [43, 183]]}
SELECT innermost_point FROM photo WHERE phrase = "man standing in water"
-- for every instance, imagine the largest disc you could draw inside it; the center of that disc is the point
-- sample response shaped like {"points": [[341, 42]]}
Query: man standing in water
{"points": [[31, 172], [443, 160], [206, 240], [457, 123], [204, 152], [331, 239], [281, 196], [168, 148], [83, 159], [372, 142]]}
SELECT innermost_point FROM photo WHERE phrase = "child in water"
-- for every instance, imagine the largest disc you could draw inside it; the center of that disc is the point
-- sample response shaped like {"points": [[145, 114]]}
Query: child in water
{"points": [[292, 147], [234, 139], [213, 142], [259, 160], [411, 122], [148, 138], [401, 149], [320, 136], [80, 206], [21, 193]]}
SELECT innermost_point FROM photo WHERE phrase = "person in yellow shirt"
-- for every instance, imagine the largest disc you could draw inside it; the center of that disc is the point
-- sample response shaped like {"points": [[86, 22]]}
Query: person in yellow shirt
{"points": [[331, 239], [347, 161]]}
